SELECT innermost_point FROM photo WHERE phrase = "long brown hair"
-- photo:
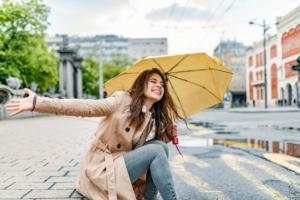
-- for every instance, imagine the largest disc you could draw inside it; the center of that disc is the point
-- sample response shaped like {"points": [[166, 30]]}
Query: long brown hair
{"points": [[164, 111]]}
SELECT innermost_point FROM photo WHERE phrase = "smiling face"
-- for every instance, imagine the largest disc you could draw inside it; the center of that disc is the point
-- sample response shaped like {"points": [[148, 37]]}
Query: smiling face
{"points": [[154, 89]]}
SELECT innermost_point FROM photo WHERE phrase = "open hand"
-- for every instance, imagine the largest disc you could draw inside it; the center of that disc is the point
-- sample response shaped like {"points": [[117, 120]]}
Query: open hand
{"points": [[17, 106]]}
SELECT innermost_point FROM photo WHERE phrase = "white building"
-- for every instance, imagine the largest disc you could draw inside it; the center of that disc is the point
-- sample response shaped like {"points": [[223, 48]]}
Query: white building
{"points": [[282, 50], [139, 48], [100, 46], [255, 72], [289, 38], [107, 46]]}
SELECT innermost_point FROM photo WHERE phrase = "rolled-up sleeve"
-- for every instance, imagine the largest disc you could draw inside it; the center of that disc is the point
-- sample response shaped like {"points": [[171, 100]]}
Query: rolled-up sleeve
{"points": [[80, 107]]}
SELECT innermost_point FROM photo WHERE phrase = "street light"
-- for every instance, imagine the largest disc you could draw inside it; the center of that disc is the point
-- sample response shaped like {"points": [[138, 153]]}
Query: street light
{"points": [[100, 71], [265, 29]]}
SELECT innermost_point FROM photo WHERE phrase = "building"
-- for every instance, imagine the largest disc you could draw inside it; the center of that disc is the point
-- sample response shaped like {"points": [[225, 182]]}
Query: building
{"points": [[282, 50], [100, 46], [139, 48], [255, 72], [107, 46], [232, 54], [288, 29]]}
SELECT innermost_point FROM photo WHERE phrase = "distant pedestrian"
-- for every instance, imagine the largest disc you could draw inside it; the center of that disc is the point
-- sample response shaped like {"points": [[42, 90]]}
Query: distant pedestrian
{"points": [[126, 160]]}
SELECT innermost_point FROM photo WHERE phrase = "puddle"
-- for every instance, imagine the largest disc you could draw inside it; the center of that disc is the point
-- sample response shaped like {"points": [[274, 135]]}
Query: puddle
{"points": [[222, 132], [291, 148], [218, 128], [208, 125]]}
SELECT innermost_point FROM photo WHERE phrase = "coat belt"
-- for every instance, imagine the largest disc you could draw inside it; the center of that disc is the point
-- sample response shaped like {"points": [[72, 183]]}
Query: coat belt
{"points": [[109, 164]]}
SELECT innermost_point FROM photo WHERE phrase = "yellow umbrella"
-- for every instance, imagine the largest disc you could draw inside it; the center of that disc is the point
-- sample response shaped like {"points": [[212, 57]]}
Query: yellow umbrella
{"points": [[195, 81]]}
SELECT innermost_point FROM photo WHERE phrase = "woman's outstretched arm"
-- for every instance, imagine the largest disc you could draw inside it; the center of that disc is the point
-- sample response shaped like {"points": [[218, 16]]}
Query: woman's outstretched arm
{"points": [[73, 107]]}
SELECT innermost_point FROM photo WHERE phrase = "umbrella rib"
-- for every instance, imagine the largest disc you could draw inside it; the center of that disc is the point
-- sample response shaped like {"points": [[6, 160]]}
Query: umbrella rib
{"points": [[178, 99], [184, 57], [197, 85], [194, 70], [158, 65]]}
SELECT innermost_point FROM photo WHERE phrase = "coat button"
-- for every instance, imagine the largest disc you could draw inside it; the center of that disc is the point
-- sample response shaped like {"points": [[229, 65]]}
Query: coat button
{"points": [[118, 146], [127, 129]]}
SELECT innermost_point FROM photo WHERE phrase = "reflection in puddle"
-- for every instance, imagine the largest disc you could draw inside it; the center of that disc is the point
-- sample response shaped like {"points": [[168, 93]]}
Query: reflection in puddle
{"points": [[209, 125], [291, 148], [218, 128]]}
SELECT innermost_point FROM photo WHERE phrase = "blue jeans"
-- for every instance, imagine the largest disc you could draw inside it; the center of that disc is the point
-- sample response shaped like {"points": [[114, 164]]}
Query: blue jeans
{"points": [[152, 157]]}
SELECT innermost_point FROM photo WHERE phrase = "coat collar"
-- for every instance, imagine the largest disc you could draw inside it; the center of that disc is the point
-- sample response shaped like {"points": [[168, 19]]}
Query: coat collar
{"points": [[146, 111]]}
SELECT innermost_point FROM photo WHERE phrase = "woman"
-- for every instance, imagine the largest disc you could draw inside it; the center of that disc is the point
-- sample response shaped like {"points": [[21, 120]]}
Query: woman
{"points": [[125, 161]]}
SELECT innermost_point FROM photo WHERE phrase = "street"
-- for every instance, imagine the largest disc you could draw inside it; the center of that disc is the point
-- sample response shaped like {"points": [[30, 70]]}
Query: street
{"points": [[40, 157]]}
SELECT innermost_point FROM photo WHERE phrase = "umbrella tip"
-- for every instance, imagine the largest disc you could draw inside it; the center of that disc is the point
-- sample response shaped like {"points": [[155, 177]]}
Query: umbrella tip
{"points": [[167, 76]]}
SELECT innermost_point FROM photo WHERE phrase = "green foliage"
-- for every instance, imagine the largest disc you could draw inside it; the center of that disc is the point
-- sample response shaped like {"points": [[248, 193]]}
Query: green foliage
{"points": [[90, 77], [119, 60], [90, 72], [23, 51]]}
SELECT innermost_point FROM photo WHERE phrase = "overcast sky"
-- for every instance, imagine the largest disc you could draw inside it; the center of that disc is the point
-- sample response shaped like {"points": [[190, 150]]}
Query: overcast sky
{"points": [[189, 25]]}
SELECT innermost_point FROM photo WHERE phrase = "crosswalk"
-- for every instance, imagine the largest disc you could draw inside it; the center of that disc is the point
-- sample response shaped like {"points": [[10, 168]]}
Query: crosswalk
{"points": [[254, 171], [194, 181]]}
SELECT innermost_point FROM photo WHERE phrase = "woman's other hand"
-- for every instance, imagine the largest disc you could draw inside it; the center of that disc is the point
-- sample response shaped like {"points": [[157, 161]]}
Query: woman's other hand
{"points": [[17, 106]]}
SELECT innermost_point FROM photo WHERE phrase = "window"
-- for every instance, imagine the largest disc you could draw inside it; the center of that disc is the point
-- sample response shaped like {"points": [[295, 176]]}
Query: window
{"points": [[273, 51], [250, 61]]}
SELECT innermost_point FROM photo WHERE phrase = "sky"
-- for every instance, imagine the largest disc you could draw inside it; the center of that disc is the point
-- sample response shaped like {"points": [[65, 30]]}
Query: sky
{"points": [[189, 25]]}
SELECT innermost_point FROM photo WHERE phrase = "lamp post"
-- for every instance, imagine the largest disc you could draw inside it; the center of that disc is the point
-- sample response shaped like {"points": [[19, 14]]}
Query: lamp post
{"points": [[297, 68], [265, 29], [100, 71], [101, 78]]}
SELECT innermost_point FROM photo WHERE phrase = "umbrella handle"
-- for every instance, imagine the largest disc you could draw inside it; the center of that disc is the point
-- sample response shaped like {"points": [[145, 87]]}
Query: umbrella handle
{"points": [[175, 141]]}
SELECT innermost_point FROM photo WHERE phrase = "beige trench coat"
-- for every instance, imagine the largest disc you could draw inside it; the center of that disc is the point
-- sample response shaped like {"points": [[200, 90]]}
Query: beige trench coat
{"points": [[103, 174]]}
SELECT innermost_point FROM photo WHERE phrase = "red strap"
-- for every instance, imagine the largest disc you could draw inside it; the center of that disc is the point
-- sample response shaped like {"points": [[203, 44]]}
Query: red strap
{"points": [[178, 150]]}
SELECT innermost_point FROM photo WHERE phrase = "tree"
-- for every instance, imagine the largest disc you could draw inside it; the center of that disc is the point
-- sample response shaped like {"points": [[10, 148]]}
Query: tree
{"points": [[90, 77], [23, 51], [111, 69], [119, 60]]}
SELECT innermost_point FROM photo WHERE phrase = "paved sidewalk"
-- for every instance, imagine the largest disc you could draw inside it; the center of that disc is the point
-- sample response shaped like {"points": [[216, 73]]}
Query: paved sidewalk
{"points": [[38, 161]]}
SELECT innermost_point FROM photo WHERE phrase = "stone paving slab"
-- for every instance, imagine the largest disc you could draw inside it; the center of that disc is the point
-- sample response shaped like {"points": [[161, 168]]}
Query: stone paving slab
{"points": [[49, 194], [63, 179], [63, 186], [26, 185], [7, 194]]}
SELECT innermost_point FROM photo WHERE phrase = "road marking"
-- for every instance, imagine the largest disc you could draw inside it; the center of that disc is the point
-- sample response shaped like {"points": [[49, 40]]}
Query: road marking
{"points": [[231, 161], [272, 172], [177, 164]]}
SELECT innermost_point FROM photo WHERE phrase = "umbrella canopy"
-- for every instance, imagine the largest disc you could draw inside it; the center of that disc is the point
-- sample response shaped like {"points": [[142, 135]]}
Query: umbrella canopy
{"points": [[195, 81]]}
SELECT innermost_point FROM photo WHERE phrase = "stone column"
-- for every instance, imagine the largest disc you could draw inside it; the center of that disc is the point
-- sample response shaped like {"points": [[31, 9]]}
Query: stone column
{"points": [[61, 78], [77, 65], [70, 80]]}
